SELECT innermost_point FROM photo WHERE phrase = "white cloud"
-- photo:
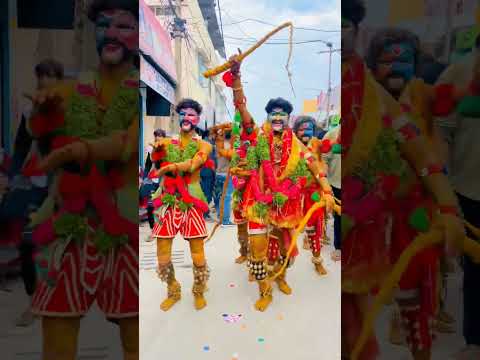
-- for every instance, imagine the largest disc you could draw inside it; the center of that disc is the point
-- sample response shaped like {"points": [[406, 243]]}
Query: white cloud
{"points": [[264, 71]]}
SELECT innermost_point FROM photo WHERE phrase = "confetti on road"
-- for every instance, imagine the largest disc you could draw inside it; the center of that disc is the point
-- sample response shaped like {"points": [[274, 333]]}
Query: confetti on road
{"points": [[233, 318]]}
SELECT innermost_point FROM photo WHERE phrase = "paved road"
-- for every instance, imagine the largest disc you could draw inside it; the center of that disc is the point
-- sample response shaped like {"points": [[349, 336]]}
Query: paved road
{"points": [[303, 326], [98, 338], [445, 345]]}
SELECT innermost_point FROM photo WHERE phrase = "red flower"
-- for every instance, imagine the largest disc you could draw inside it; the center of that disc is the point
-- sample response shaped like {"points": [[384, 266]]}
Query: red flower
{"points": [[157, 203], [31, 167], [86, 90], [131, 83], [158, 155], [116, 179], [387, 121], [44, 123], [70, 183], [444, 100], [75, 204], [52, 274], [209, 164], [44, 233], [326, 146], [228, 79]]}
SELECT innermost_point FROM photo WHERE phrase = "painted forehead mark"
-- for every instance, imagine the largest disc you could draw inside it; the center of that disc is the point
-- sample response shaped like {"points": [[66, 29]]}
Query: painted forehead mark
{"points": [[117, 14]]}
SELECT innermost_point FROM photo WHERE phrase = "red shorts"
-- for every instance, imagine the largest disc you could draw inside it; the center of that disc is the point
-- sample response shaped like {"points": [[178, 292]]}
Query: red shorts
{"points": [[85, 275], [238, 217], [256, 228], [190, 224]]}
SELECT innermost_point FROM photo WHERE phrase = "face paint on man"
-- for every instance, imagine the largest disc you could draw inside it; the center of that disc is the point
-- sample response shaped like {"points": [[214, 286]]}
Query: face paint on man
{"points": [[306, 132], [396, 67], [116, 33], [188, 119], [279, 119]]}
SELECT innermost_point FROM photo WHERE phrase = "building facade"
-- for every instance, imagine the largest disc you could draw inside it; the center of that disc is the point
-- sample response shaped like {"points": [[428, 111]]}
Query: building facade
{"points": [[197, 45]]}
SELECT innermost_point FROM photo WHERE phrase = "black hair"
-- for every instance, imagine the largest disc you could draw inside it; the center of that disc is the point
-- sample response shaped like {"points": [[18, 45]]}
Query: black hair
{"points": [[279, 103], [50, 68], [189, 103], [302, 120], [353, 10], [160, 133], [390, 36], [97, 6]]}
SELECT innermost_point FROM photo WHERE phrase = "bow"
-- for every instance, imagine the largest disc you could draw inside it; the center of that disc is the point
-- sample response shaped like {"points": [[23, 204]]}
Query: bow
{"points": [[421, 242], [222, 68], [298, 230]]}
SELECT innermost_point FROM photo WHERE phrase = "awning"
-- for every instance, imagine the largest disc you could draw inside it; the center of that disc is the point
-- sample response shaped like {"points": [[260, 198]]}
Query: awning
{"points": [[160, 92]]}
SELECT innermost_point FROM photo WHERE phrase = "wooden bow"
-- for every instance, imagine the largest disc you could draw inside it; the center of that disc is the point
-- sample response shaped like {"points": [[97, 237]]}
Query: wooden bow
{"points": [[421, 242], [222, 68]]}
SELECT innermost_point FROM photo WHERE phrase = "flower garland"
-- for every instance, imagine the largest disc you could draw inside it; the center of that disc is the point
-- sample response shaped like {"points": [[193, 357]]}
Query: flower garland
{"points": [[176, 191], [81, 121], [82, 117], [385, 159], [175, 154]]}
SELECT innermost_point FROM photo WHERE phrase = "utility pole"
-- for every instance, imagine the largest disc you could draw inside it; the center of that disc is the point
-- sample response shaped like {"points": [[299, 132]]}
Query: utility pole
{"points": [[329, 91], [448, 33], [178, 33]]}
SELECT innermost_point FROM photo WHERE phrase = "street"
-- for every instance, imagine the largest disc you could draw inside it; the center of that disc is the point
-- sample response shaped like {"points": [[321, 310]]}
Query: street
{"points": [[98, 338], [302, 326]]}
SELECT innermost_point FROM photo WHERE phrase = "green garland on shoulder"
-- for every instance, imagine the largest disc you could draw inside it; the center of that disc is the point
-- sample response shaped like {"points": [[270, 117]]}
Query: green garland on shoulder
{"points": [[123, 108], [279, 199], [301, 170], [385, 158], [260, 210], [71, 225], [235, 160], [176, 155], [252, 159], [105, 242], [83, 117], [262, 148], [190, 150]]}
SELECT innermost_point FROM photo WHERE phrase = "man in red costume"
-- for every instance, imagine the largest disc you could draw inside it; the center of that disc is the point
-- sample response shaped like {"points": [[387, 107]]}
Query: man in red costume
{"points": [[386, 165], [182, 203], [277, 168], [304, 129], [393, 59], [88, 228], [242, 139]]}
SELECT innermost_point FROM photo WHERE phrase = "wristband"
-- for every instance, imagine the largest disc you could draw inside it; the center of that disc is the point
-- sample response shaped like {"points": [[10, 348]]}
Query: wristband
{"points": [[240, 102], [432, 169], [448, 210]]}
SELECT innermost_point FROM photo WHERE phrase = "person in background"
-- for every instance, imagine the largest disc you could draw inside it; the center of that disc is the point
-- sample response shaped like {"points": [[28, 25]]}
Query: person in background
{"points": [[460, 126], [150, 181], [221, 176], [4, 165], [207, 175], [26, 193], [334, 176]]}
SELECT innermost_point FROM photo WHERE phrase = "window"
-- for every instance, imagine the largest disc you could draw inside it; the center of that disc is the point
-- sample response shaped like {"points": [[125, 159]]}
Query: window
{"points": [[202, 67]]}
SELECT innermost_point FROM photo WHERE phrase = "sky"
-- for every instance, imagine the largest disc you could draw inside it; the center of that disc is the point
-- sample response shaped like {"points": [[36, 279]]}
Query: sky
{"points": [[263, 72]]}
